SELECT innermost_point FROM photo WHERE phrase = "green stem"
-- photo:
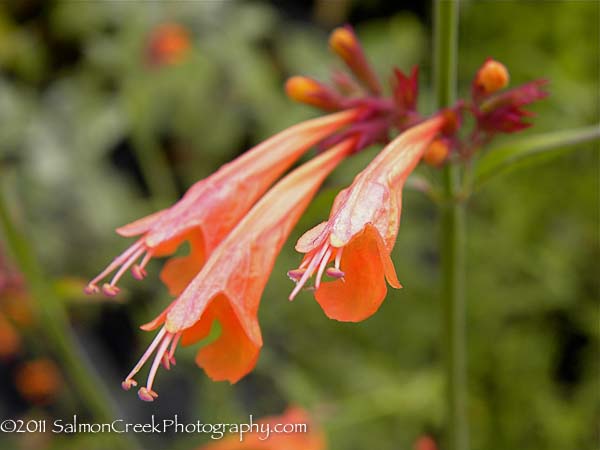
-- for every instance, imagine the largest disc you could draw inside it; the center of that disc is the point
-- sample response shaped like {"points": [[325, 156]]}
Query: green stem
{"points": [[452, 239], [154, 168], [54, 322]]}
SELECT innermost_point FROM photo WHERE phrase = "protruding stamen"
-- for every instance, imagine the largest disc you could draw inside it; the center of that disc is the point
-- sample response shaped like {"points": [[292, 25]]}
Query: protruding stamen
{"points": [[123, 262], [322, 266], [314, 262], [164, 356], [157, 360], [317, 262], [139, 270], [144, 357], [126, 265], [174, 343]]}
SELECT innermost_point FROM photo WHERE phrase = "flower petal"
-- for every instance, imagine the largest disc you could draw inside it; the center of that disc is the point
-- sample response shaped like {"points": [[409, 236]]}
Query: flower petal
{"points": [[359, 294], [178, 272], [233, 354], [313, 238], [141, 225]]}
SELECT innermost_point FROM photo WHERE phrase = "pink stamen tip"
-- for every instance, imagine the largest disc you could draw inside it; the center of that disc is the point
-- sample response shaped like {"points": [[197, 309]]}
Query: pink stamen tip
{"points": [[166, 363], [128, 384], [91, 289], [295, 274], [334, 273], [147, 395], [110, 290], [138, 272]]}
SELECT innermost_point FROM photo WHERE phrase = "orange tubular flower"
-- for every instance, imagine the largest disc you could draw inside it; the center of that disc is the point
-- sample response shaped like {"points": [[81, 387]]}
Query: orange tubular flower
{"points": [[213, 206], [277, 433], [229, 286], [361, 232]]}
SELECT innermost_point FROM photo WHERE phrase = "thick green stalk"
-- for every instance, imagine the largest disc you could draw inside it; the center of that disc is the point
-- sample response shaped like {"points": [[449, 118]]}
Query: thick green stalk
{"points": [[54, 323], [452, 238]]}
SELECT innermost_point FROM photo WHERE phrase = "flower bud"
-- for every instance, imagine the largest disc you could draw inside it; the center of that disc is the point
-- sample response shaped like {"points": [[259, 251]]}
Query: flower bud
{"points": [[309, 91], [345, 44], [436, 153], [492, 77]]}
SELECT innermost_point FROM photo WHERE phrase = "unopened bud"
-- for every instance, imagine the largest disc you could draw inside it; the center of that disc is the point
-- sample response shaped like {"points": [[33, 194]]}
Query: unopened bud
{"points": [[436, 153], [309, 91], [492, 76], [345, 44]]}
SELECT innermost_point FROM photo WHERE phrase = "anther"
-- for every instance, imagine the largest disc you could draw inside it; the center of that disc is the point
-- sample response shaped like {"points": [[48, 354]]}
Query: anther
{"points": [[147, 395], [166, 362], [128, 384], [334, 272], [295, 274], [110, 290], [91, 289], [138, 272]]}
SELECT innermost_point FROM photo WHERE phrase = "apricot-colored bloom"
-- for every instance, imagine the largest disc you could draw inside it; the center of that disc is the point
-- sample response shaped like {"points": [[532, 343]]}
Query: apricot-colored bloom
{"points": [[213, 206], [168, 44], [361, 232], [284, 432], [39, 381], [229, 286]]}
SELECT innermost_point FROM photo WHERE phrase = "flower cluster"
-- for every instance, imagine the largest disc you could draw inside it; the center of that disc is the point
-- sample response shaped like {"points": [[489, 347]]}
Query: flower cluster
{"points": [[237, 220]]}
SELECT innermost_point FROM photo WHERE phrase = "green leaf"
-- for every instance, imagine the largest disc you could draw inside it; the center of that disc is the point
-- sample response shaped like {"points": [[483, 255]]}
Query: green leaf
{"points": [[531, 149]]}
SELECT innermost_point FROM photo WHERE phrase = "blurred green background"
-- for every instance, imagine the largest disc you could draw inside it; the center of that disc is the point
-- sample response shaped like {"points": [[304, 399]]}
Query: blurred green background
{"points": [[92, 136]]}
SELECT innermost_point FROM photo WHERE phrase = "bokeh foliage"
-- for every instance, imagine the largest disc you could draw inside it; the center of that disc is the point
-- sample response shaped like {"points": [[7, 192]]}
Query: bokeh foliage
{"points": [[80, 110]]}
